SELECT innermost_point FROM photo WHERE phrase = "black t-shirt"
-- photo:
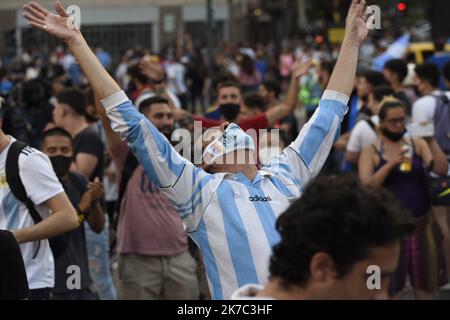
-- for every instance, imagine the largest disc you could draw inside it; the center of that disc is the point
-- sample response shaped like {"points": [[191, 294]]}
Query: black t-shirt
{"points": [[88, 141], [76, 252], [13, 277]]}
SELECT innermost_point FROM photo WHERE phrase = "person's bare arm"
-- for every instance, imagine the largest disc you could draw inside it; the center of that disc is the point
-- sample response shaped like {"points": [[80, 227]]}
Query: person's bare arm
{"points": [[84, 164], [352, 156], [366, 166], [62, 219], [90, 201], [96, 219], [436, 157], [113, 139], [341, 143], [56, 24], [290, 102], [356, 31]]}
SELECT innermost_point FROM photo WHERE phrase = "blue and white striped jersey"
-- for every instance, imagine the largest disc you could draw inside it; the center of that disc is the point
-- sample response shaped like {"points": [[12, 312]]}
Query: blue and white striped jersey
{"points": [[231, 218]]}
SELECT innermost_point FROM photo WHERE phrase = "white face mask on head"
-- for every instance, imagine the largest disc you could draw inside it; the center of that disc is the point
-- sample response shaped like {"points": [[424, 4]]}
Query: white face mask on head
{"points": [[232, 139]]}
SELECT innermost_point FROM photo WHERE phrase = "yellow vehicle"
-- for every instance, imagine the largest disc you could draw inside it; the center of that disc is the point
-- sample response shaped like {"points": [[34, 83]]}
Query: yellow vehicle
{"points": [[419, 52]]}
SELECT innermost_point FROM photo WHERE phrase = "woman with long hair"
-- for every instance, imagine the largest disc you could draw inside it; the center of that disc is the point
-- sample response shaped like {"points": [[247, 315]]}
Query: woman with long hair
{"points": [[398, 162]]}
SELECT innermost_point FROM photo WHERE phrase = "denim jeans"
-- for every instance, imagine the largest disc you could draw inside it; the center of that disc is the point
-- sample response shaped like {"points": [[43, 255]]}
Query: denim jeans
{"points": [[99, 264]]}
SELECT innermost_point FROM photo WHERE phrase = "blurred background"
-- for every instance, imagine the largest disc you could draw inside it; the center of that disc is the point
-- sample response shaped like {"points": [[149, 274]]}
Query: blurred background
{"points": [[157, 24]]}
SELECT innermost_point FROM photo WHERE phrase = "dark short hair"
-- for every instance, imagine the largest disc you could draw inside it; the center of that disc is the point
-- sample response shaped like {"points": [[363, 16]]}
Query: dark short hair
{"points": [[446, 71], [326, 65], [134, 71], [429, 72], [223, 77], [254, 101], [273, 86], [56, 132], [439, 44], [338, 216], [374, 78], [145, 105], [74, 98], [389, 105], [382, 91], [227, 84], [398, 67], [89, 96]]}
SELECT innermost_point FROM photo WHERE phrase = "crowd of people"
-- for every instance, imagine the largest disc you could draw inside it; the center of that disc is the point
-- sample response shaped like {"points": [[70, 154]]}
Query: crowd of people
{"points": [[164, 178]]}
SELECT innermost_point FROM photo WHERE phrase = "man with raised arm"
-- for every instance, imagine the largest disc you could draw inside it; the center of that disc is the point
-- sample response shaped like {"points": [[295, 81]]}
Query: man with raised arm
{"points": [[229, 209]]}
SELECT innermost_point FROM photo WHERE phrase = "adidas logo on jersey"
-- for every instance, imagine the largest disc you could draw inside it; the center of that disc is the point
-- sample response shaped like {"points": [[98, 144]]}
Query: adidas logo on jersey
{"points": [[259, 198]]}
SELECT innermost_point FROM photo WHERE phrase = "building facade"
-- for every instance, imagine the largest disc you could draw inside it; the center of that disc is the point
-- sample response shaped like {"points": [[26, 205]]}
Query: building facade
{"points": [[119, 24]]}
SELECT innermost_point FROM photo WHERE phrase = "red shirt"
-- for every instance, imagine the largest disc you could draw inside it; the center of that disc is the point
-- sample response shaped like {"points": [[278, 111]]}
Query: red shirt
{"points": [[257, 122], [139, 91]]}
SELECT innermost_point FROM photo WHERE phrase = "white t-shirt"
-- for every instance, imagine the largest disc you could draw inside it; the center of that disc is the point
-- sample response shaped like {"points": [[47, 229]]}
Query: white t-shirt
{"points": [[175, 78], [111, 190], [41, 184], [423, 109], [362, 135], [176, 102]]}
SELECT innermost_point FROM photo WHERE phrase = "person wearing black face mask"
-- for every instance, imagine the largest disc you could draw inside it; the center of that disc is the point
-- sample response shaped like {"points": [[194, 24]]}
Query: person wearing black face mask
{"points": [[229, 102], [57, 144], [397, 162], [229, 111]]}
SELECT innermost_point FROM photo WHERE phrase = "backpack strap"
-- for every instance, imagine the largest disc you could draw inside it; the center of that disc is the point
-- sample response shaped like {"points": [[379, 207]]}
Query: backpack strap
{"points": [[15, 182], [443, 97], [371, 124], [445, 102]]}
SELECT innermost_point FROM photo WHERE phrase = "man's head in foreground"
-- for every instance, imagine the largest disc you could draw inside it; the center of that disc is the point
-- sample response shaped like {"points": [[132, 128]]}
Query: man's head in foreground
{"points": [[226, 148], [331, 236]]}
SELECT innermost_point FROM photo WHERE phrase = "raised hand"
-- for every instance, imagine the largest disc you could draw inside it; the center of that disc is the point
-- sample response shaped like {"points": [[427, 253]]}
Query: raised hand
{"points": [[151, 69], [96, 189], [60, 25], [300, 69], [356, 29]]}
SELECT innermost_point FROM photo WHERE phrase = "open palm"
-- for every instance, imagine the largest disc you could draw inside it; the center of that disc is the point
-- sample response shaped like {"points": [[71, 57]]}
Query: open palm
{"points": [[151, 69], [356, 26], [299, 69], [60, 25]]}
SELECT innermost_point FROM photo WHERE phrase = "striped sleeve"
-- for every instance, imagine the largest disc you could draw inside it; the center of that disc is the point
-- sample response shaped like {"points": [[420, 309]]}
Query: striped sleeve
{"points": [[305, 157], [182, 182]]}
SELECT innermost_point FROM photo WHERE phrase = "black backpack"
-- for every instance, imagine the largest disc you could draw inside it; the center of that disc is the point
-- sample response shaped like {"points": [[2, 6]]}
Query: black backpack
{"points": [[59, 243], [442, 122]]}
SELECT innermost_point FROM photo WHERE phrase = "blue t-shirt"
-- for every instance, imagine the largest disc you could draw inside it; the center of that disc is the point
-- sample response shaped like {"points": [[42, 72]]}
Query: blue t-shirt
{"points": [[261, 66], [440, 59], [5, 87]]}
